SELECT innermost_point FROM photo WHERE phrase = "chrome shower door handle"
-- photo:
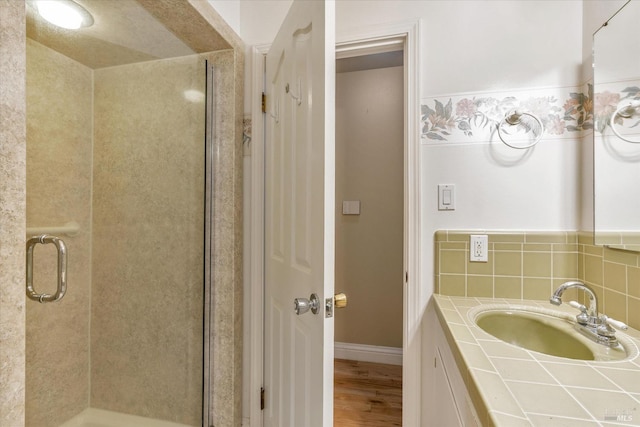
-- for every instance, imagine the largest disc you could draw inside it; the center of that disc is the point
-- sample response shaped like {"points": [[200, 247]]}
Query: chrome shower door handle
{"points": [[62, 268]]}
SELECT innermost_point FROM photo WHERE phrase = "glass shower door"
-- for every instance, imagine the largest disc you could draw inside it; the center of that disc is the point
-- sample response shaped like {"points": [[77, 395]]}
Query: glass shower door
{"points": [[119, 150]]}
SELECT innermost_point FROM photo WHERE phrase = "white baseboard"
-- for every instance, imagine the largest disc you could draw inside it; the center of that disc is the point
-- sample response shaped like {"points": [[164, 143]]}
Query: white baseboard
{"points": [[368, 353]]}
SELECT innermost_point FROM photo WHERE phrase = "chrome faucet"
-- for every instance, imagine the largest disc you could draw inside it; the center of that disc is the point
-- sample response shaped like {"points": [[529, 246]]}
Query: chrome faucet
{"points": [[556, 298], [598, 328]]}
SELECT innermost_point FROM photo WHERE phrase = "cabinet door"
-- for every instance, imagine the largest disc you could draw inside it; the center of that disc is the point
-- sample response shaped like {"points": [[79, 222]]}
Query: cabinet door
{"points": [[445, 409], [451, 393]]}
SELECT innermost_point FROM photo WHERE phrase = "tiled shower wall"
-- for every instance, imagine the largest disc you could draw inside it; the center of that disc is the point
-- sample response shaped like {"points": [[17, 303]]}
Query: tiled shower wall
{"points": [[530, 265]]}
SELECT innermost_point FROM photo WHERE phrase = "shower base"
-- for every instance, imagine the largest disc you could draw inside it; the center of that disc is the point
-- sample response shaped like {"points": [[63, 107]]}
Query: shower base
{"points": [[100, 418]]}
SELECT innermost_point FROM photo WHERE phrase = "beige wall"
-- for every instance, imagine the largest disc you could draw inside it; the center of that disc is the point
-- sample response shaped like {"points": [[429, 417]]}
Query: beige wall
{"points": [[12, 210], [530, 265], [369, 168], [59, 144]]}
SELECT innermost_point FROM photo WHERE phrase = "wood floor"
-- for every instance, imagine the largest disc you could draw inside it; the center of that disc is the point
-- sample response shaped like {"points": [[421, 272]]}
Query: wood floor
{"points": [[367, 394]]}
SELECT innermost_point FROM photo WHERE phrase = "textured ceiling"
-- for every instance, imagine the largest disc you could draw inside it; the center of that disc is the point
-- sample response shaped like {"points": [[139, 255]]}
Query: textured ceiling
{"points": [[127, 31]]}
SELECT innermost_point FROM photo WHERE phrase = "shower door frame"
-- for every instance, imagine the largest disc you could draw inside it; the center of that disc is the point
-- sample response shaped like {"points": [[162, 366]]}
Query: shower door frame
{"points": [[209, 236], [222, 267]]}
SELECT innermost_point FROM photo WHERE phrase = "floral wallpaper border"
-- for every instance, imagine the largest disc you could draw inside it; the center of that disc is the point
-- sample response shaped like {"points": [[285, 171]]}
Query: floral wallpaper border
{"points": [[610, 99], [475, 118]]}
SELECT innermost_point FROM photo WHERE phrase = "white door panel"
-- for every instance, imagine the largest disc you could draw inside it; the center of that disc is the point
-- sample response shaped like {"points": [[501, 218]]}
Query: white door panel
{"points": [[299, 217]]}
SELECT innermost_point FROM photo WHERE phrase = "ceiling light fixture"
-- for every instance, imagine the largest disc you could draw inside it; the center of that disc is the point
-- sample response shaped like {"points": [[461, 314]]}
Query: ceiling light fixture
{"points": [[64, 13]]}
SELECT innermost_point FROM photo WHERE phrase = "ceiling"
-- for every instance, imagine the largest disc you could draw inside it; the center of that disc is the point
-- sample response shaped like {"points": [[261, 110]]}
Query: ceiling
{"points": [[128, 31], [370, 62]]}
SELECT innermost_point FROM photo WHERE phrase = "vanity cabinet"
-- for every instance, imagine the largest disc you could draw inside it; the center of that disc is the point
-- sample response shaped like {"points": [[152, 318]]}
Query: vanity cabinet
{"points": [[451, 405]]}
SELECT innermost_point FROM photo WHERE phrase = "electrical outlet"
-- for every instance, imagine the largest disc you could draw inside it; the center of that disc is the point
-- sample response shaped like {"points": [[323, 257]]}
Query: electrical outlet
{"points": [[478, 248]]}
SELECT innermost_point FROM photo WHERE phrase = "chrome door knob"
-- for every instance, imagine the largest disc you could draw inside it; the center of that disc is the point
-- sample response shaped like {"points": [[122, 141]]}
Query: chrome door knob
{"points": [[302, 305]]}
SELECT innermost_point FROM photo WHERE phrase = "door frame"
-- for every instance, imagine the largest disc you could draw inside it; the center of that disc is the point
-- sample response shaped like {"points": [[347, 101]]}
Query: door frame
{"points": [[412, 294]]}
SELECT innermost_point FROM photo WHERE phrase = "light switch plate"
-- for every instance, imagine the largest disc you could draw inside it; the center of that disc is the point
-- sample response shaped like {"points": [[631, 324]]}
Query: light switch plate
{"points": [[446, 197], [351, 207]]}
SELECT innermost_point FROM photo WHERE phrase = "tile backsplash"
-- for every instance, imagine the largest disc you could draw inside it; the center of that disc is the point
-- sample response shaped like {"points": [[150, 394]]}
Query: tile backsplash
{"points": [[530, 265]]}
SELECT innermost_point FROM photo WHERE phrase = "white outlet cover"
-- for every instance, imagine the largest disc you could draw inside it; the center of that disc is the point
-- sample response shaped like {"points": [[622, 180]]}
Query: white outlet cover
{"points": [[478, 248]]}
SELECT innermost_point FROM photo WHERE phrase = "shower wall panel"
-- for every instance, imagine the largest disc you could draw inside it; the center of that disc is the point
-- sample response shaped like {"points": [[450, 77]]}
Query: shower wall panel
{"points": [[12, 210], [59, 145], [148, 207]]}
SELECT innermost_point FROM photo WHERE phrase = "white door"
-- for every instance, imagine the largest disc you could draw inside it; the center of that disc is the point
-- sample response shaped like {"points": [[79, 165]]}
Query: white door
{"points": [[299, 217]]}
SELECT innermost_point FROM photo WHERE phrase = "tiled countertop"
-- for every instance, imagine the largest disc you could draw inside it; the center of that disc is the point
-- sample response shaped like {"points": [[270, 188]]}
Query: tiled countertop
{"points": [[512, 387]]}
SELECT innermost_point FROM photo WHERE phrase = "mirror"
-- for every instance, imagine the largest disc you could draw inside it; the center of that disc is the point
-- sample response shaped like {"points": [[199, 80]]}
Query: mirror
{"points": [[616, 112]]}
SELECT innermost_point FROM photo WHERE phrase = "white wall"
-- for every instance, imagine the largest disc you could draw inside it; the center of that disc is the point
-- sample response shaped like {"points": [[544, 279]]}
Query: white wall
{"points": [[470, 45], [260, 19], [473, 47], [479, 45], [229, 11]]}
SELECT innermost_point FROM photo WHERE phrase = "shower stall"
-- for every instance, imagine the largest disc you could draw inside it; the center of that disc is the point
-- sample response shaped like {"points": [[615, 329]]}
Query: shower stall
{"points": [[133, 151]]}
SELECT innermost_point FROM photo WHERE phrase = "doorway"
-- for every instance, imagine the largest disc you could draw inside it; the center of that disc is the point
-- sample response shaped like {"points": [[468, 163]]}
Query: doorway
{"points": [[369, 236], [405, 37]]}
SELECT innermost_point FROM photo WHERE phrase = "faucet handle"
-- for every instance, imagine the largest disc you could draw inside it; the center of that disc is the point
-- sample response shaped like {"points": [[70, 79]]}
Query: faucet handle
{"points": [[583, 317], [604, 329], [616, 323], [576, 304]]}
